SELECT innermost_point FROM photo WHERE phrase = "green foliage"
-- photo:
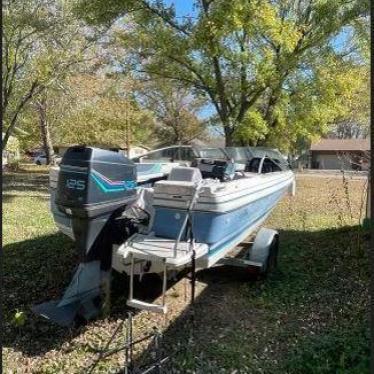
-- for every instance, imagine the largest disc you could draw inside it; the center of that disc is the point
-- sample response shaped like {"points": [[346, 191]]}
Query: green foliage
{"points": [[341, 351], [312, 104], [252, 128], [101, 112], [43, 44], [175, 110], [19, 319], [258, 56]]}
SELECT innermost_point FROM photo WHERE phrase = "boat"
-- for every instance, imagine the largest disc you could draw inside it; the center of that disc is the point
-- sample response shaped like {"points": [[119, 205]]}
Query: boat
{"points": [[194, 217]]}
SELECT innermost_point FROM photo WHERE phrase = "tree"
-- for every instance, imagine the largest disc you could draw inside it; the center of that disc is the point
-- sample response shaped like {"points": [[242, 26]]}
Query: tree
{"points": [[175, 109], [102, 111], [242, 55], [42, 43], [354, 121], [41, 105], [312, 104]]}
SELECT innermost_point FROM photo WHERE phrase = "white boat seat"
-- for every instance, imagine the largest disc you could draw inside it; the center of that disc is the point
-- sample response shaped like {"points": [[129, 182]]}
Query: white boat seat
{"points": [[153, 248], [185, 174]]}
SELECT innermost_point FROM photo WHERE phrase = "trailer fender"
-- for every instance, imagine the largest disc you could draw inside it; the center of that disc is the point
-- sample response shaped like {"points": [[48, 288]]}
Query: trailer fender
{"points": [[292, 188], [260, 250]]}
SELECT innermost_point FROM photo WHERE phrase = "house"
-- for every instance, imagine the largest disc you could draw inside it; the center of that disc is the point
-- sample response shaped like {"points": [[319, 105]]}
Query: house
{"points": [[340, 154]]}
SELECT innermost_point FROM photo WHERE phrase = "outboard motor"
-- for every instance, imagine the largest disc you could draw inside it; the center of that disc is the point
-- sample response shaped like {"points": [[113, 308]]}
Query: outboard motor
{"points": [[93, 189]]}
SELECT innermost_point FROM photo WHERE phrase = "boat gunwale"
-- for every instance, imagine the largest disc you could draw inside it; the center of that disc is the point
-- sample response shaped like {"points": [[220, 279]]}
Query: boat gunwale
{"points": [[217, 203]]}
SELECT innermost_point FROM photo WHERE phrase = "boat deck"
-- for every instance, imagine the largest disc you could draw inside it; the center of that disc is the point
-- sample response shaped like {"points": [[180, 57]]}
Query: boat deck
{"points": [[153, 248]]}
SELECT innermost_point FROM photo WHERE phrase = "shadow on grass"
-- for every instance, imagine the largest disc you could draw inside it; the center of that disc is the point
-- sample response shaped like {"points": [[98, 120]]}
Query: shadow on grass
{"points": [[9, 197], [39, 270], [319, 287], [25, 182], [233, 318], [34, 271]]}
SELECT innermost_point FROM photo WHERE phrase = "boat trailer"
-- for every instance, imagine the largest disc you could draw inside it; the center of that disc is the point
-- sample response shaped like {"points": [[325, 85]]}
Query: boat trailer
{"points": [[258, 257]]}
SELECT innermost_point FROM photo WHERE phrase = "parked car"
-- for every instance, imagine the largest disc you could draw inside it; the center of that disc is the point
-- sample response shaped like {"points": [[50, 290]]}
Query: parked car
{"points": [[42, 159]]}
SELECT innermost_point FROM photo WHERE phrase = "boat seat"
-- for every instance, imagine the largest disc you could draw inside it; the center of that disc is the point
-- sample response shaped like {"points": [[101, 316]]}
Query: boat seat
{"points": [[254, 165], [223, 170], [185, 174]]}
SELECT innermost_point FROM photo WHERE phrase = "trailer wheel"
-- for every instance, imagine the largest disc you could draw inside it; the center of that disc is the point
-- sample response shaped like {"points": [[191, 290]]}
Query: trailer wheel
{"points": [[272, 259]]}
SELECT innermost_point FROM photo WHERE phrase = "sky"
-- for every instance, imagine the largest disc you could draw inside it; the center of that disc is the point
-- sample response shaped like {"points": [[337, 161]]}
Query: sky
{"points": [[182, 7]]}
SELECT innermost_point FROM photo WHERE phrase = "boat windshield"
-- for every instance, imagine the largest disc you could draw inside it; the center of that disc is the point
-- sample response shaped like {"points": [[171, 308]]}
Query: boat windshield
{"points": [[273, 154], [211, 153], [238, 154]]}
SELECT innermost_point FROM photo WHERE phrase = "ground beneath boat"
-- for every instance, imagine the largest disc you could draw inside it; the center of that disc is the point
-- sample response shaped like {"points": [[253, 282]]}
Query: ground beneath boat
{"points": [[310, 316]]}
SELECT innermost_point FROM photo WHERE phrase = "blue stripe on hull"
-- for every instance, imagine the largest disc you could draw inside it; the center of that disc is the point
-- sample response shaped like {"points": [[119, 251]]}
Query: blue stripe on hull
{"points": [[220, 246], [211, 227]]}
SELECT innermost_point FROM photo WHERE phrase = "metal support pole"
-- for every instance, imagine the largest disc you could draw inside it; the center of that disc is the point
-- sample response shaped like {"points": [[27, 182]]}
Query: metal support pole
{"points": [[157, 347], [193, 276], [129, 345], [132, 277], [127, 351], [164, 285], [130, 340]]}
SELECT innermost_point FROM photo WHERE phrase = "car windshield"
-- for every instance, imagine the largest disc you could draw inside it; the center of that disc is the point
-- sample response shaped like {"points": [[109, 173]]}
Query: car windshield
{"points": [[211, 153]]}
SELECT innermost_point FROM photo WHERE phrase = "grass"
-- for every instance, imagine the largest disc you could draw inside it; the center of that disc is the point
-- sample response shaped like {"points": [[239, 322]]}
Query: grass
{"points": [[309, 316]]}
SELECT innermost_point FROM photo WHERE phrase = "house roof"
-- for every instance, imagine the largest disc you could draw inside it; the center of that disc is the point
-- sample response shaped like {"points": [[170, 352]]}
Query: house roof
{"points": [[341, 145]]}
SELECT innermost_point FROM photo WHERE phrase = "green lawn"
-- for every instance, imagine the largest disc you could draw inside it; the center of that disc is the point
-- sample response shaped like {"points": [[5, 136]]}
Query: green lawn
{"points": [[310, 316]]}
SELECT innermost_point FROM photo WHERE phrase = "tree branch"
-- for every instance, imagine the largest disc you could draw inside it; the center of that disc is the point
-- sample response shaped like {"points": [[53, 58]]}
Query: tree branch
{"points": [[164, 17]]}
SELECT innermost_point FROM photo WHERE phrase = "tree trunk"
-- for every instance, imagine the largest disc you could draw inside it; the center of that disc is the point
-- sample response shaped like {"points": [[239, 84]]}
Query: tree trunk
{"points": [[229, 139], [263, 142], [44, 129], [33, 90]]}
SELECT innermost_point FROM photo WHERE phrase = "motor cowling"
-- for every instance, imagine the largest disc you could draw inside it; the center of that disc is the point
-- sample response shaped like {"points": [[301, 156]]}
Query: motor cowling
{"points": [[94, 181], [94, 185]]}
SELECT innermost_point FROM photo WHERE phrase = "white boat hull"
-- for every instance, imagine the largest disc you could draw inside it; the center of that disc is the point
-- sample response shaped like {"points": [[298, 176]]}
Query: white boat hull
{"points": [[232, 212]]}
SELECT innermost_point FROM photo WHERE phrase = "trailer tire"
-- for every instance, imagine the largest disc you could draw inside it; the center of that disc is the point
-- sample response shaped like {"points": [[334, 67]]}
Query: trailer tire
{"points": [[272, 259]]}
